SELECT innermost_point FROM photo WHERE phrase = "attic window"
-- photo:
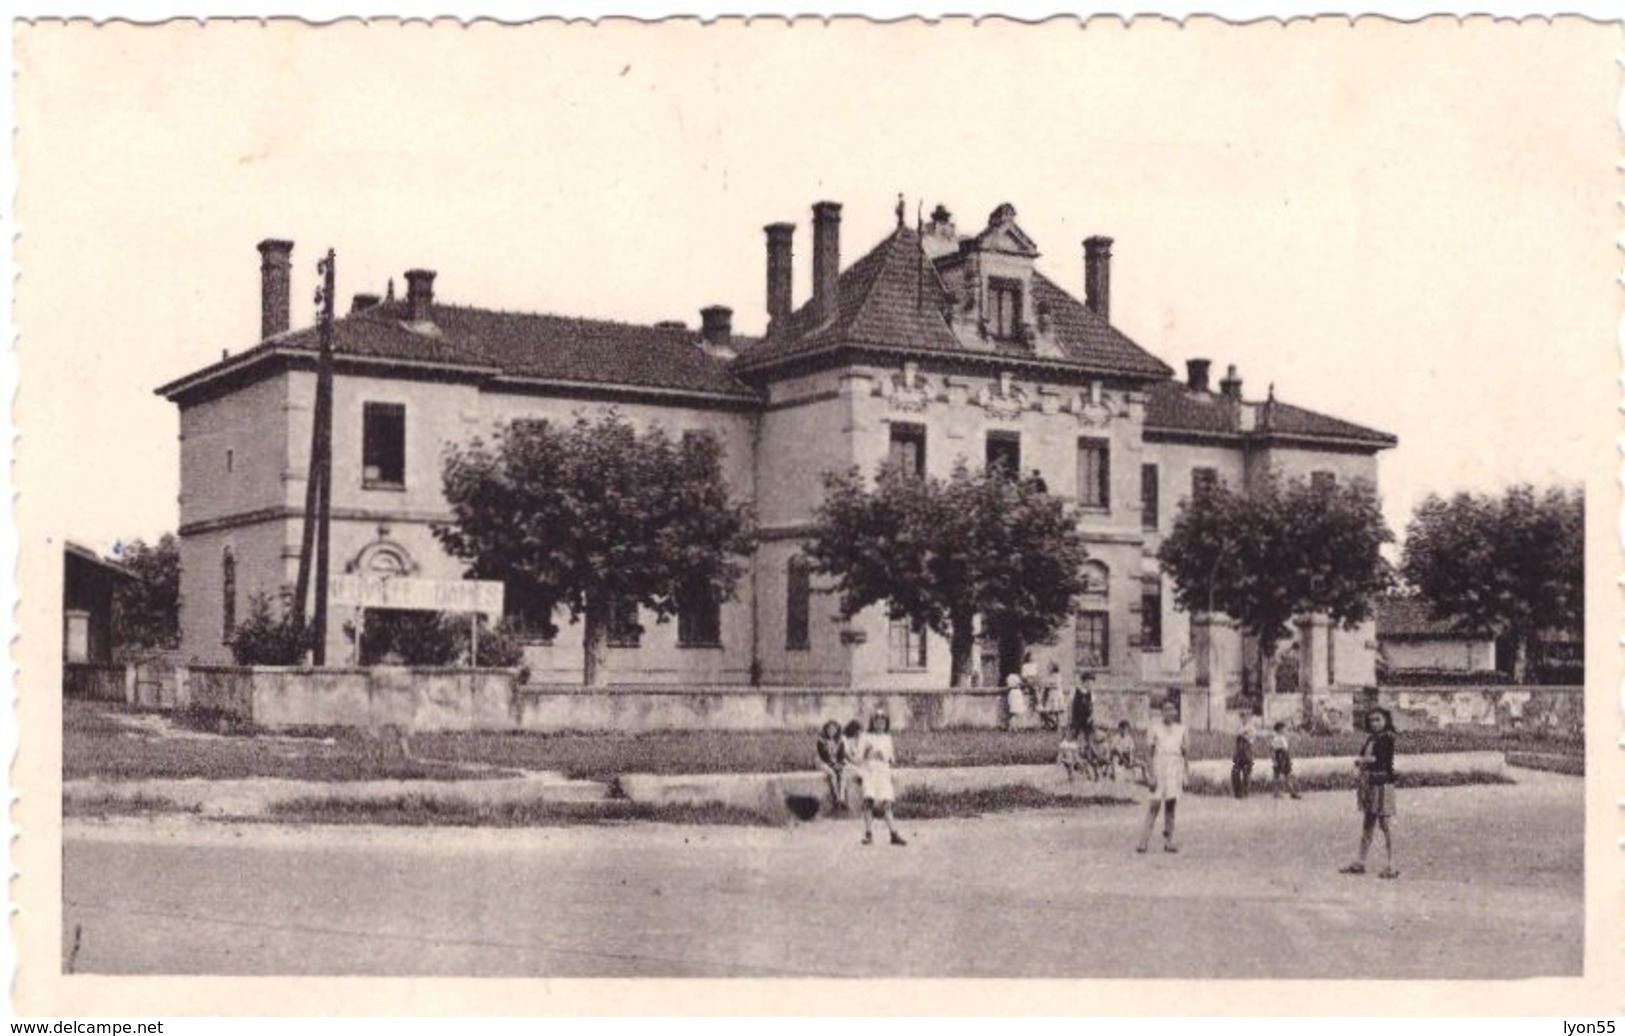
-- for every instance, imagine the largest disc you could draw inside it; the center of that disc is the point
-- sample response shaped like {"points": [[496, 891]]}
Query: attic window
{"points": [[1004, 308]]}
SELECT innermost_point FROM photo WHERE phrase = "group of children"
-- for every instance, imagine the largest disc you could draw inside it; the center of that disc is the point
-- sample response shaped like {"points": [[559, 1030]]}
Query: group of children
{"points": [[1241, 762], [853, 755]]}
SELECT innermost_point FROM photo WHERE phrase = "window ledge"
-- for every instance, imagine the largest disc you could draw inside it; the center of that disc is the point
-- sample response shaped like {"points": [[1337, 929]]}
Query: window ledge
{"points": [[701, 645], [798, 647], [385, 487]]}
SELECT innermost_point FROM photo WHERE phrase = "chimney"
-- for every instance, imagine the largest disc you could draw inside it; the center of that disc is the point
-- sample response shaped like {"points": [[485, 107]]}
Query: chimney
{"points": [[419, 295], [780, 295], [1196, 374], [716, 325], [274, 266], [826, 258], [1230, 385], [363, 300], [1097, 276]]}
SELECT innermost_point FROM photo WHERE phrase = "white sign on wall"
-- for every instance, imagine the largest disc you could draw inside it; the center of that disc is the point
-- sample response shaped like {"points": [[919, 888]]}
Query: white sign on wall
{"points": [[432, 595]]}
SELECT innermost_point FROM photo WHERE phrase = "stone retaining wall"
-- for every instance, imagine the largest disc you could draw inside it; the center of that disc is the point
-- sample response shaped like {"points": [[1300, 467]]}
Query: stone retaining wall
{"points": [[426, 699]]}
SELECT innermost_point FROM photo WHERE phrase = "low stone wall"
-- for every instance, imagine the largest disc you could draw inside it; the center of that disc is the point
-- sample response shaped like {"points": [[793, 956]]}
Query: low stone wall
{"points": [[424, 699], [1554, 710], [551, 709]]}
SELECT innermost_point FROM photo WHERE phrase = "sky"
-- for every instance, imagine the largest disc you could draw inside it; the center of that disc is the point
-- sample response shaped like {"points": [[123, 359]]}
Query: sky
{"points": [[1410, 228]]}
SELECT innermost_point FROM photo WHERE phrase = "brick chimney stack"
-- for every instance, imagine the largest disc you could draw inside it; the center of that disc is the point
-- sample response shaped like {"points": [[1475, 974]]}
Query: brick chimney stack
{"points": [[826, 258], [1097, 276], [363, 300], [419, 294], [1230, 384], [716, 325], [1196, 374], [780, 293], [275, 264]]}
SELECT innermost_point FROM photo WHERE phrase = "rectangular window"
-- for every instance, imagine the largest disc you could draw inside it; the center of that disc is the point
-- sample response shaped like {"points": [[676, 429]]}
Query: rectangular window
{"points": [[908, 448], [1090, 640], [1148, 497], [798, 606], [699, 615], [1094, 474], [624, 631], [907, 644], [1004, 452], [231, 460], [528, 613], [1151, 614], [1203, 480], [1322, 480], [1004, 308], [383, 445]]}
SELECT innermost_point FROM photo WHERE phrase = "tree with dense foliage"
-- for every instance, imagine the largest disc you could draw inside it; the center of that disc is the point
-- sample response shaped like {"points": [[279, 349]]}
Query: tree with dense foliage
{"points": [[596, 518], [147, 610], [1278, 550], [946, 553], [1511, 566], [270, 636]]}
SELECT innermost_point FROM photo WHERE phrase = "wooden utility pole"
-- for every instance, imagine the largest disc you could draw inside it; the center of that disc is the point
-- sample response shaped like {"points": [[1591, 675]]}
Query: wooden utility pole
{"points": [[323, 460], [313, 544]]}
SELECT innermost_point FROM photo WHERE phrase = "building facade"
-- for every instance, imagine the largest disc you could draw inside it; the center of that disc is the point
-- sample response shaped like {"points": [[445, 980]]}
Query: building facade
{"points": [[934, 347]]}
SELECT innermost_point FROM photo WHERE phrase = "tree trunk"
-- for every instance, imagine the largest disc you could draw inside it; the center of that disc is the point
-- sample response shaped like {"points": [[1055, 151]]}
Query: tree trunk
{"points": [[961, 648], [593, 628]]}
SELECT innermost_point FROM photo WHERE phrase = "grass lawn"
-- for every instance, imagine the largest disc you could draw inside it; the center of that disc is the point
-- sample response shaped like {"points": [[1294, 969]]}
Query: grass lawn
{"points": [[97, 744]]}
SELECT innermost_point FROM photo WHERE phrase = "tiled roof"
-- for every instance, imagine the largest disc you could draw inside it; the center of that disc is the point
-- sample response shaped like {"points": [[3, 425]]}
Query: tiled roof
{"points": [[1413, 617], [893, 298], [1171, 406], [524, 345], [887, 298]]}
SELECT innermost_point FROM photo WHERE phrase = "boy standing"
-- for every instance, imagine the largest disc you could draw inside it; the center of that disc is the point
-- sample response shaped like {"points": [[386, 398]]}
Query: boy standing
{"points": [[1281, 757], [1241, 761]]}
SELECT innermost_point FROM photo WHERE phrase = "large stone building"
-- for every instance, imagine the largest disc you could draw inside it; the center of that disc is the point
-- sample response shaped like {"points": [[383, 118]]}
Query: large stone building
{"points": [[930, 348]]}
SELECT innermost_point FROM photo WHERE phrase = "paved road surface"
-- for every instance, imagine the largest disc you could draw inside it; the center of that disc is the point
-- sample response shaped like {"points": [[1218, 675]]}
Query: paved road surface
{"points": [[1492, 888]]}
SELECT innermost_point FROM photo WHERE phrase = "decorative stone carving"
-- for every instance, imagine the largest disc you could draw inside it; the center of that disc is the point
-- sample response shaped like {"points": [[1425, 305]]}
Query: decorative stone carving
{"points": [[1006, 401], [383, 558], [907, 390]]}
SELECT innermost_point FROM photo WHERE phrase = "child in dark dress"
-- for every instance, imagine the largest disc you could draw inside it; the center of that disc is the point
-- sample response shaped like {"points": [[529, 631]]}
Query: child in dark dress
{"points": [[1376, 790], [832, 762]]}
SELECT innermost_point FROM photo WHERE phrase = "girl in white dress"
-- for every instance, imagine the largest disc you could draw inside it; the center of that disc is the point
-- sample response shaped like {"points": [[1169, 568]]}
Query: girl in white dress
{"points": [[877, 755], [1167, 772]]}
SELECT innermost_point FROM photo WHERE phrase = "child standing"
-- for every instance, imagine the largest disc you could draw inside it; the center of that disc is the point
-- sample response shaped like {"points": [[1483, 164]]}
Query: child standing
{"points": [[1050, 703], [1241, 761], [1070, 758], [1281, 758], [831, 764], [878, 755], [1376, 790], [1168, 753], [1015, 701], [851, 761]]}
